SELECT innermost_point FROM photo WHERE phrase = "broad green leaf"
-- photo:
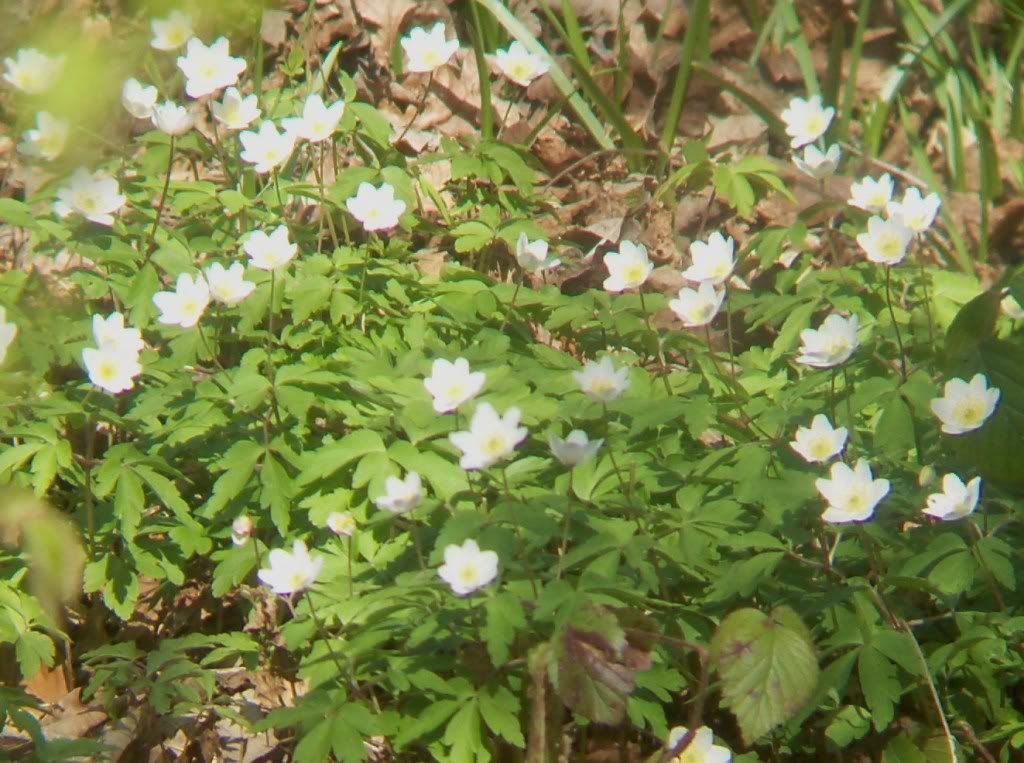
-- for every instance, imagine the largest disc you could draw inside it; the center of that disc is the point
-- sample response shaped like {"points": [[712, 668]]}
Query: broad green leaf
{"points": [[879, 684], [767, 665]]}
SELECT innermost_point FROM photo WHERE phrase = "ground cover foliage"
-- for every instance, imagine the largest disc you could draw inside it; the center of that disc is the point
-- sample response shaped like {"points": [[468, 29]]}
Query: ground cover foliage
{"points": [[341, 420]]}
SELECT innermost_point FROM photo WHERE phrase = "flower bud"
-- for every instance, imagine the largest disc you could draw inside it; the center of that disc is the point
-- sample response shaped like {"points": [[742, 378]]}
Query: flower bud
{"points": [[241, 529], [926, 476], [342, 523]]}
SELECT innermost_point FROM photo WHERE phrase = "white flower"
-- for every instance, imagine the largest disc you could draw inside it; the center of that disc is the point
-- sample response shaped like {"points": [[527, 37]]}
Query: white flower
{"points": [[208, 69], [872, 195], [520, 65], [401, 496], [272, 252], [806, 121], [1011, 307], [712, 261], [427, 51], [241, 530], [172, 32], [268, 148], [852, 494], [818, 164], [235, 112], [452, 384], [466, 568], [228, 286], [172, 119], [318, 122], [291, 572], [110, 334], [886, 241], [138, 99], [820, 442], [48, 138], [697, 307], [917, 213], [628, 268], [111, 369], [956, 500], [95, 196], [490, 438], [186, 304], [702, 748], [341, 523], [575, 449], [32, 71], [376, 208], [533, 256], [601, 381], [965, 406], [831, 343], [8, 330]]}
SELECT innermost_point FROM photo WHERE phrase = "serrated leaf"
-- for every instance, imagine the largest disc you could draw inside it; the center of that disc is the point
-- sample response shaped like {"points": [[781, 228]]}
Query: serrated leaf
{"points": [[504, 618], [767, 665], [879, 684]]}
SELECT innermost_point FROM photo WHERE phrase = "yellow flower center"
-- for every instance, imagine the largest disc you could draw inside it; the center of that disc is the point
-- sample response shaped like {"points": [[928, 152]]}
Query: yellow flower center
{"points": [[207, 70], [191, 307], [634, 274], [815, 125], [602, 387], [469, 574], [297, 580], [838, 346], [431, 58], [890, 246], [107, 371], [821, 448], [520, 70], [495, 445], [969, 414], [856, 502], [456, 392], [87, 202]]}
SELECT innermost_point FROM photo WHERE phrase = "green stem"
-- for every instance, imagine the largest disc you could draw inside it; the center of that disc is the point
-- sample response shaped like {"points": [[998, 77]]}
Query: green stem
{"points": [[895, 326], [148, 248], [323, 634], [512, 304], [419, 108], [661, 349]]}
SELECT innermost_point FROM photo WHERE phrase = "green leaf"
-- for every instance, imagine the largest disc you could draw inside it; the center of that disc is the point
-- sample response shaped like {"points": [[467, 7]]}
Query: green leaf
{"points": [[879, 684], [33, 650], [894, 432], [767, 665], [504, 618], [334, 457], [500, 711], [277, 492]]}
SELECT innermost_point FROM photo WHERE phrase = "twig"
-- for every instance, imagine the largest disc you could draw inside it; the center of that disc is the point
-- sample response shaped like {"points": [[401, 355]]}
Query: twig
{"points": [[950, 741]]}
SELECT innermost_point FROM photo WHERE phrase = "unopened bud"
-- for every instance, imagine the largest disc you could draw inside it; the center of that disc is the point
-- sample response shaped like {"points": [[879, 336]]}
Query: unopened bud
{"points": [[926, 476], [241, 529], [342, 523]]}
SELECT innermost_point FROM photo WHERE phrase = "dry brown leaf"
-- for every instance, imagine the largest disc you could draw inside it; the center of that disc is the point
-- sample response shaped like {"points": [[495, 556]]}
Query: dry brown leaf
{"points": [[274, 27]]}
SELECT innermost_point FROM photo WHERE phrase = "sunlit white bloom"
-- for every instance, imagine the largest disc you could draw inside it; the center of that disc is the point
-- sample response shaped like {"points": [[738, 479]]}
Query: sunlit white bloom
{"points": [[830, 344], [48, 138], [172, 32], [818, 164], [806, 121], [235, 112], [341, 523], [713, 260], [520, 65], [376, 208], [601, 381], [965, 406], [533, 256], [32, 71], [872, 195], [241, 530], [138, 99], [267, 148], [186, 304], [1011, 308], [917, 213], [110, 333], [697, 307], [209, 68], [427, 50], [701, 749], [852, 494], [452, 384], [819, 442], [272, 252], [575, 449], [956, 500], [228, 285], [628, 268], [491, 438], [111, 369], [95, 196], [401, 496], [318, 122], [466, 568], [8, 330], [172, 119], [293, 572], [886, 241]]}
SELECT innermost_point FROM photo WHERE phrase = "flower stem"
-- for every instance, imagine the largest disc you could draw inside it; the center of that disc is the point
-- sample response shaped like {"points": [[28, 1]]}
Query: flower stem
{"points": [[277, 189], [975, 536], [512, 304], [850, 423], [523, 555], [323, 634], [419, 108], [661, 349], [148, 249], [349, 550], [324, 211], [895, 326]]}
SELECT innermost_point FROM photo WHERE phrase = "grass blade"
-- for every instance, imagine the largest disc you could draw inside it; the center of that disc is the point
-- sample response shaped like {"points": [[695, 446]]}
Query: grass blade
{"points": [[697, 27]]}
